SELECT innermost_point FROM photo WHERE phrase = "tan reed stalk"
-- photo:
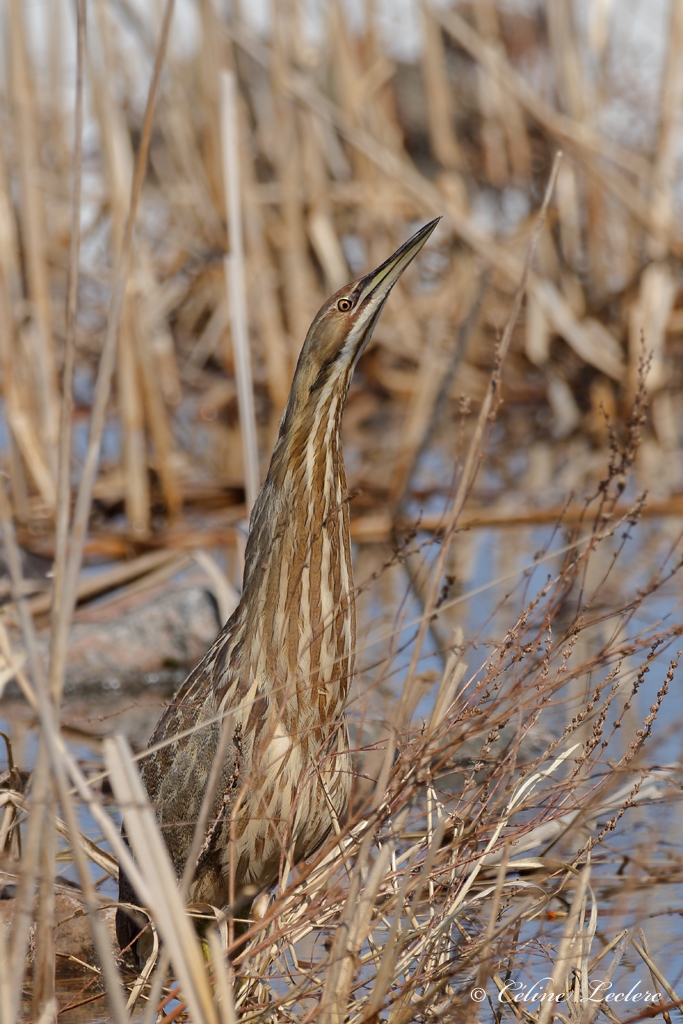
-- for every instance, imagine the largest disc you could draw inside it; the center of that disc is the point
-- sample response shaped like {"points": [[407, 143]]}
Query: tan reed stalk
{"points": [[152, 379], [58, 636], [491, 105], [43, 369], [505, 122], [131, 413], [207, 343], [159, 426], [485, 956], [22, 918], [210, 60], [298, 283], [264, 301], [39, 839], [158, 981], [53, 103], [566, 953], [376, 98], [569, 211], [116, 147], [574, 89], [570, 74], [592, 1008], [160, 881], [235, 280], [25, 441], [442, 137], [49, 759], [176, 125], [467, 475], [9, 293], [225, 1000], [298, 280], [387, 964], [83, 501], [321, 229], [658, 287], [152, 884], [351, 931], [44, 960], [5, 1004], [119, 171], [664, 171], [347, 74], [657, 977]]}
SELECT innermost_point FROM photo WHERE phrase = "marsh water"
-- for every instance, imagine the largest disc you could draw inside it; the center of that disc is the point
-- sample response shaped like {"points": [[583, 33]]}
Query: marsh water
{"points": [[494, 569]]}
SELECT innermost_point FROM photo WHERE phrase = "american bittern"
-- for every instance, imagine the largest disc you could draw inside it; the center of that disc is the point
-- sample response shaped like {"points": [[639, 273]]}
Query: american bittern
{"points": [[279, 670]]}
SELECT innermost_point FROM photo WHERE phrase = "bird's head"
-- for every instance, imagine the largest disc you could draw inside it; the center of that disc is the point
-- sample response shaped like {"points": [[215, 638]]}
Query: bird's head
{"points": [[335, 340], [343, 327]]}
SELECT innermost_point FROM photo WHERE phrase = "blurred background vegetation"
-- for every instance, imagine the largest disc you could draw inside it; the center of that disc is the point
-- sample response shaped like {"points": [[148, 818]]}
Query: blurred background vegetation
{"points": [[355, 123]]}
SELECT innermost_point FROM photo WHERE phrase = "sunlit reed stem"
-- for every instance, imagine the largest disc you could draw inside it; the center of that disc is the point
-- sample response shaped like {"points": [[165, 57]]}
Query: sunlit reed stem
{"points": [[234, 274]]}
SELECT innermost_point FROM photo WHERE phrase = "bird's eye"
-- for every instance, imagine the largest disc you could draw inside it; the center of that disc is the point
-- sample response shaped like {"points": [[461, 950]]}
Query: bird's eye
{"points": [[344, 305]]}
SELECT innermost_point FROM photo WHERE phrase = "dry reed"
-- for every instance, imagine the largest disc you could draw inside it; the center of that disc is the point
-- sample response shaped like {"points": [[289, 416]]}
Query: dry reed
{"points": [[465, 841]]}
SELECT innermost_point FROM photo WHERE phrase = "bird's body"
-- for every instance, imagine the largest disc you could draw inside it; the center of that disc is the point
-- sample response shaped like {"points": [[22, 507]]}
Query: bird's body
{"points": [[279, 671], [285, 685]]}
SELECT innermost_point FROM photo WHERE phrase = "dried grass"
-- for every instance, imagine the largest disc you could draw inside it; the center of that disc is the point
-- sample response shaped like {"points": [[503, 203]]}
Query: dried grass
{"points": [[445, 876]]}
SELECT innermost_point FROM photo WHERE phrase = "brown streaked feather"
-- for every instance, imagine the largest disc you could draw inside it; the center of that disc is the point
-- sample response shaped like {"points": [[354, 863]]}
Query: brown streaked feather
{"points": [[289, 711], [280, 669]]}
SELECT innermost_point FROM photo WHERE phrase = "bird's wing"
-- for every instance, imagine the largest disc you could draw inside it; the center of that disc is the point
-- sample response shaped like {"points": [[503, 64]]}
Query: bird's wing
{"points": [[184, 745]]}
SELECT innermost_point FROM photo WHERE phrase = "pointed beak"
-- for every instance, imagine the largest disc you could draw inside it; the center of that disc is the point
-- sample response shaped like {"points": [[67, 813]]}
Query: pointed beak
{"points": [[379, 283]]}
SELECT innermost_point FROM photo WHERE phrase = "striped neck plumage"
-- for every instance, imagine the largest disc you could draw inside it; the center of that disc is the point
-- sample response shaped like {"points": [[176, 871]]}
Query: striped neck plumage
{"points": [[297, 599], [297, 604]]}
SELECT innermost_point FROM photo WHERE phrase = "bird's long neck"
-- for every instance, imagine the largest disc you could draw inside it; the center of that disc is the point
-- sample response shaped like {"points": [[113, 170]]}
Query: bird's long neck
{"points": [[298, 583]]}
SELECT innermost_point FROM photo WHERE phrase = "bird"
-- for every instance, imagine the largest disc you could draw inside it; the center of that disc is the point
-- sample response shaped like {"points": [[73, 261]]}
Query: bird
{"points": [[278, 674]]}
